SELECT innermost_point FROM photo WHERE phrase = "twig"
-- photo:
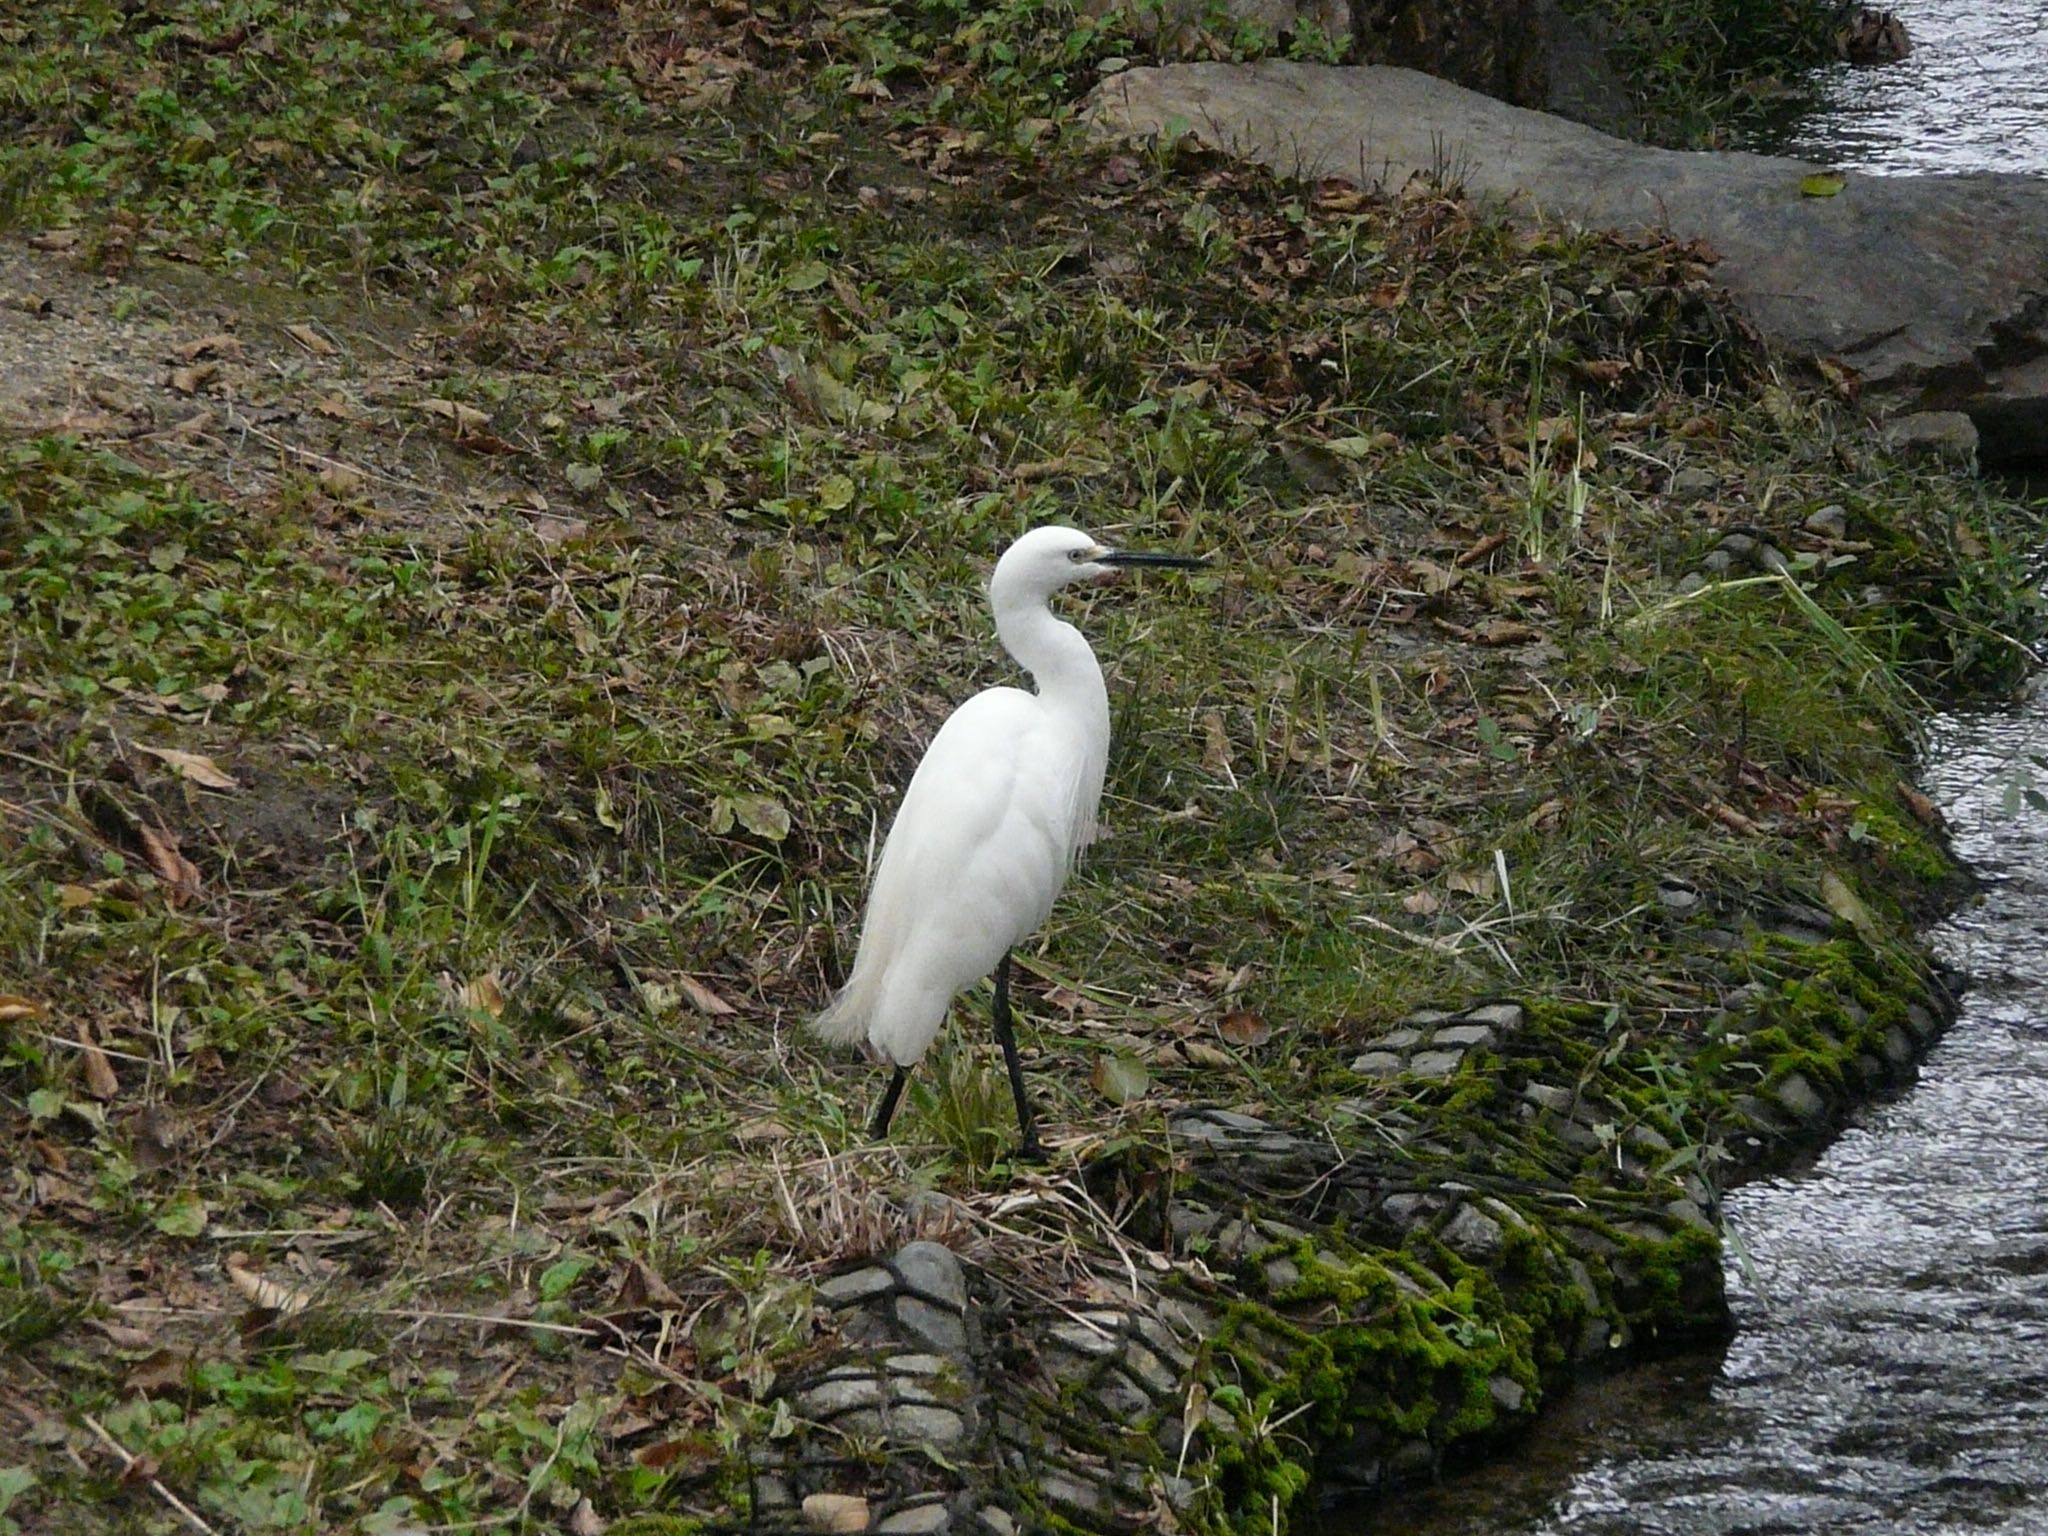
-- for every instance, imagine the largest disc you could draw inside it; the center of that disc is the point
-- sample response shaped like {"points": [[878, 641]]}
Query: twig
{"points": [[128, 1464]]}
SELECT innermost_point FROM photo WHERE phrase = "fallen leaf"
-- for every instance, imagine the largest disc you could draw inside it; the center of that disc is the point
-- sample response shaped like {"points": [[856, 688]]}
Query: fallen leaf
{"points": [[1421, 904], [191, 379], [219, 344], [100, 1080], [642, 1290], [584, 1520], [71, 898], [465, 418], [161, 1371], [14, 1009], [179, 874], [1119, 1079], [702, 998], [311, 340], [1924, 810], [1474, 880], [836, 1512], [339, 480], [201, 770], [761, 1128], [483, 994], [1245, 1028], [1849, 907], [335, 407], [55, 240], [262, 1291]]}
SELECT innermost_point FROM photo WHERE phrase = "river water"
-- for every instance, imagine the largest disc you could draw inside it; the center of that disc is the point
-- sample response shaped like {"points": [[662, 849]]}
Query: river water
{"points": [[1971, 96], [1890, 1369]]}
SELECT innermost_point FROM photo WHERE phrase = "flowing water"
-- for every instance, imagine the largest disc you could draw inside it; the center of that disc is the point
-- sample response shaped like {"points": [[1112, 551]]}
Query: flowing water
{"points": [[1971, 96], [1890, 1373]]}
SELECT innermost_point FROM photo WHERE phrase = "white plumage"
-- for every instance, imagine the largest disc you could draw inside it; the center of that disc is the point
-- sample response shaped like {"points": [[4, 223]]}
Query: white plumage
{"points": [[1003, 799]]}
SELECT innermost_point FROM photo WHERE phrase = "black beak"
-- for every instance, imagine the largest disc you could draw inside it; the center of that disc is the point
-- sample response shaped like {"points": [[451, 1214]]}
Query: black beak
{"points": [[1155, 558]]}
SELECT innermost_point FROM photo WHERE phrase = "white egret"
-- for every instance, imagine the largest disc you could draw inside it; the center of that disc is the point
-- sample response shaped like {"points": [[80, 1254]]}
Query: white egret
{"points": [[1003, 799]]}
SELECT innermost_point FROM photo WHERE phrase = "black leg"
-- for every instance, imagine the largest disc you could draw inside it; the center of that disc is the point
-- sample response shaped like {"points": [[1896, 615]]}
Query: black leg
{"points": [[886, 1111], [1030, 1150]]}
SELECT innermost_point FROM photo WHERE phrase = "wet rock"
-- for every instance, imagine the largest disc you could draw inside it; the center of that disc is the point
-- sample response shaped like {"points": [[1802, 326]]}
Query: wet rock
{"points": [[1084, 1339], [1677, 896], [1549, 1096], [1072, 1494], [996, 1521], [1151, 1372], [1505, 1017], [1691, 582], [835, 1396], [915, 1365], [921, 1424], [1719, 562], [1121, 1398], [1281, 1274], [1377, 1064], [1396, 1040], [1898, 1046], [1799, 1098], [1507, 1393]]}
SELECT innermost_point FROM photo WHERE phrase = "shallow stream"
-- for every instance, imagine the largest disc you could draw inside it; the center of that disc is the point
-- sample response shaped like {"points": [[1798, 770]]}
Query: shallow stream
{"points": [[1890, 1373]]}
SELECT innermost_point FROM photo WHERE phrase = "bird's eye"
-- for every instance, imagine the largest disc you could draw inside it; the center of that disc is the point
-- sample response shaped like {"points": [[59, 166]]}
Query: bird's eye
{"points": [[1078, 555]]}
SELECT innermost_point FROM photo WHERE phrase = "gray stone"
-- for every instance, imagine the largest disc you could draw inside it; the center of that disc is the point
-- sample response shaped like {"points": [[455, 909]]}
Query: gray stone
{"points": [[1280, 1274], [1464, 1036], [1551, 1097], [922, 1424], [772, 1492], [1690, 583], [1094, 1343], [1425, 1018], [835, 1396], [998, 1521], [915, 1365], [930, 1270], [1151, 1372], [918, 1520], [1507, 1393], [1434, 1063], [1949, 436], [1121, 1398], [1798, 1097], [1772, 559], [1691, 484], [1582, 1281], [858, 1285], [1690, 1214], [1402, 1210], [1596, 1337], [1473, 1233], [1718, 562], [1677, 896], [1928, 287], [1179, 1491], [1190, 1221], [1898, 1046], [1740, 545], [1396, 1040], [1411, 1458], [1377, 1064], [941, 1329], [1505, 1017], [1922, 1021], [1829, 522], [1071, 1493], [1648, 1139]]}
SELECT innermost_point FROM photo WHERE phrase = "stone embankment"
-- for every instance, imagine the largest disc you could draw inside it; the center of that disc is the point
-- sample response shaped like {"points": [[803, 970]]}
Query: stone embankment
{"points": [[1394, 1277], [1928, 294]]}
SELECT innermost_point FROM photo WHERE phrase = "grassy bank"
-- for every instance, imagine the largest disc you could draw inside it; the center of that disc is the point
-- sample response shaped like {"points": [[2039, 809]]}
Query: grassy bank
{"points": [[514, 506]]}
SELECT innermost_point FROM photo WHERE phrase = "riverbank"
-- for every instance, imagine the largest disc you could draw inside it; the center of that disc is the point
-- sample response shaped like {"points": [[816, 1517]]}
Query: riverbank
{"points": [[492, 504]]}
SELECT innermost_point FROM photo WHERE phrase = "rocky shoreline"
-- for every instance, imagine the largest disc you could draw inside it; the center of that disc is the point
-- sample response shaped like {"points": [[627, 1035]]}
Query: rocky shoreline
{"points": [[1387, 1283]]}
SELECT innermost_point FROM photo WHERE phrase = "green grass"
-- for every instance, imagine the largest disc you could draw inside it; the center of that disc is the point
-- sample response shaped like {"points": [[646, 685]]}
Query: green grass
{"points": [[483, 982]]}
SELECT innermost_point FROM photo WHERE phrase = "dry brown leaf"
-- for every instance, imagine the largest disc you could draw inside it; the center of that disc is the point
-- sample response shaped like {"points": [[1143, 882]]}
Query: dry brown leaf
{"points": [[761, 1128], [14, 1009], [1733, 819], [1244, 1028], [1505, 632], [1924, 810], [1421, 904], [262, 1291], [219, 344], [483, 994], [702, 998], [335, 407], [161, 1371], [1474, 880], [100, 1080], [178, 873], [1432, 578], [191, 379], [584, 1520], [339, 480], [465, 418], [836, 1512], [1216, 745], [55, 240], [201, 770], [641, 1290], [311, 340]]}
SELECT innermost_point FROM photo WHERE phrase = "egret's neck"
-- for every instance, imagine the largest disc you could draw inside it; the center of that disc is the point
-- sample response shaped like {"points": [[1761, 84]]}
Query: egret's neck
{"points": [[1055, 653]]}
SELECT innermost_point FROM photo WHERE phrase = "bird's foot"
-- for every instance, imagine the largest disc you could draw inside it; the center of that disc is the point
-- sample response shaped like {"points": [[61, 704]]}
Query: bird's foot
{"points": [[1032, 1150]]}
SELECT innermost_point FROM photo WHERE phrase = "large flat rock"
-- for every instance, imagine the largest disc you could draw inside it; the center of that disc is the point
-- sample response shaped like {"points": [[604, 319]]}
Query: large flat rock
{"points": [[1933, 288]]}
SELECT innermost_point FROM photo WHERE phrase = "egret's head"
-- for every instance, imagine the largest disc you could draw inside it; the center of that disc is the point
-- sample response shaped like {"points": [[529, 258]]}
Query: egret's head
{"points": [[1047, 559]]}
